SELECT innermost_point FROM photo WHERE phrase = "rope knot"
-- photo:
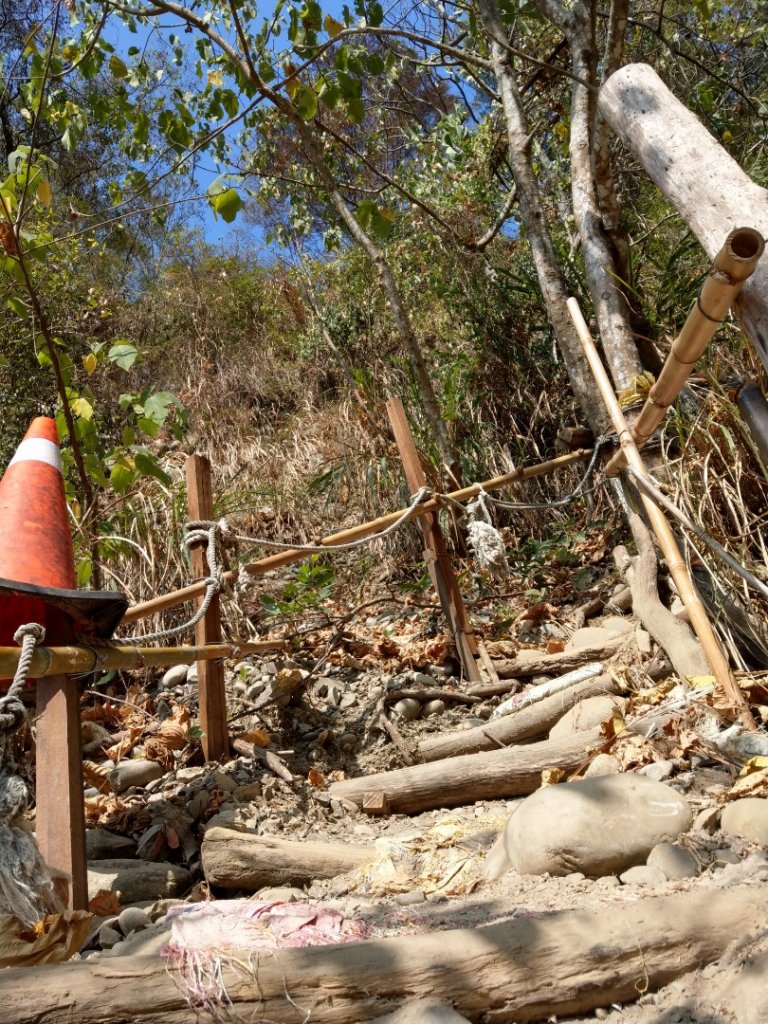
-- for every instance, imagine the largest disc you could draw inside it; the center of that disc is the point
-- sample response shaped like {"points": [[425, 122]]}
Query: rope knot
{"points": [[33, 629]]}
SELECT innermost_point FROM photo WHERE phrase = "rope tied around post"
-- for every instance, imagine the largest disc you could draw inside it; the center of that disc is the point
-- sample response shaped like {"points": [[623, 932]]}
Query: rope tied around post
{"points": [[26, 888], [12, 713]]}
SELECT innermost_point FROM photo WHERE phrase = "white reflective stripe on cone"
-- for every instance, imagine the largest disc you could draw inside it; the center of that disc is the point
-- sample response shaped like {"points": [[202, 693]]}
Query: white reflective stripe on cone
{"points": [[38, 449]]}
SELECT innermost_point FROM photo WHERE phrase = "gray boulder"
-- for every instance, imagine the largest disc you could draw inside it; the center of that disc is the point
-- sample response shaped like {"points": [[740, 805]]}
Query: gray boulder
{"points": [[747, 818], [597, 826], [137, 880], [587, 714], [101, 844]]}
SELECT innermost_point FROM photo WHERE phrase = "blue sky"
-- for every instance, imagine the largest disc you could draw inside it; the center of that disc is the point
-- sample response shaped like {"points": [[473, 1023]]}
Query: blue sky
{"points": [[216, 231]]}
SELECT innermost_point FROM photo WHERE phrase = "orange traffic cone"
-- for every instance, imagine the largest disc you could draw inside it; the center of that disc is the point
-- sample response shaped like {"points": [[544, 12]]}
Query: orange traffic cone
{"points": [[37, 567]]}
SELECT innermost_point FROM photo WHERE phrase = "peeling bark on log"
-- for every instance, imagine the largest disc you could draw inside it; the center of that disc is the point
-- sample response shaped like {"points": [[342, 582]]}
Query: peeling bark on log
{"points": [[703, 182], [515, 771], [537, 663], [526, 724], [241, 860], [521, 970]]}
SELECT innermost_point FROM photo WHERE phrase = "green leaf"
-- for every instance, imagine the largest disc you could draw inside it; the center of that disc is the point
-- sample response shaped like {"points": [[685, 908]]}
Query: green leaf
{"points": [[82, 407], [306, 102], [148, 466], [123, 354], [83, 573], [122, 474], [150, 427], [330, 95], [364, 213], [375, 64], [117, 67], [18, 305], [356, 111], [157, 407], [226, 204]]}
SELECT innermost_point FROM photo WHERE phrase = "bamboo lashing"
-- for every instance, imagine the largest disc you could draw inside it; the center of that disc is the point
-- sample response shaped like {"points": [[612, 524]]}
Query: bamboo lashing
{"points": [[732, 266], [75, 660], [674, 559], [265, 565]]}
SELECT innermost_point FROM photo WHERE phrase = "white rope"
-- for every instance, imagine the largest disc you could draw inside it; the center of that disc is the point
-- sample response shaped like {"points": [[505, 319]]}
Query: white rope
{"points": [[12, 714], [215, 532], [211, 534], [422, 495]]}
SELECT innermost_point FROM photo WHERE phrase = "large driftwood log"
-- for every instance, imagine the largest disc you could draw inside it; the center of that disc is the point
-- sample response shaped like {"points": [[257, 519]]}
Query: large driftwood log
{"points": [[705, 184], [515, 771], [521, 970], [241, 860], [526, 724], [538, 663]]}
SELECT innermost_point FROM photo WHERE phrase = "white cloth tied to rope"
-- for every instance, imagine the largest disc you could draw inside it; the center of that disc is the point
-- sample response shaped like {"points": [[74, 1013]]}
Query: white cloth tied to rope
{"points": [[484, 539]]}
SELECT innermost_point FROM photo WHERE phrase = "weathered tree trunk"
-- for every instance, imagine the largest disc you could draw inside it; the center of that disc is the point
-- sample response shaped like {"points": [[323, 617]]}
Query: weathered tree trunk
{"points": [[535, 221], [241, 860], [515, 771], [522, 970], [676, 638], [610, 308], [701, 180], [526, 724]]}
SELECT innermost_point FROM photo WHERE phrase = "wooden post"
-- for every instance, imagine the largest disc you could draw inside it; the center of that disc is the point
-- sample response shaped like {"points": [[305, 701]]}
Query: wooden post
{"points": [[435, 554], [60, 811], [210, 674]]}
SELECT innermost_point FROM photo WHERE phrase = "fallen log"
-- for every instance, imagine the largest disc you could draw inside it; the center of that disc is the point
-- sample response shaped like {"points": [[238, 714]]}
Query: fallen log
{"points": [[515, 771], [241, 860], [539, 663], [695, 173], [521, 970], [526, 724]]}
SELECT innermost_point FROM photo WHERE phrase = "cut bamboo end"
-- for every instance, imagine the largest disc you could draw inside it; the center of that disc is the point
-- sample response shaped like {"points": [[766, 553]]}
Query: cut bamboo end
{"points": [[731, 267], [740, 254]]}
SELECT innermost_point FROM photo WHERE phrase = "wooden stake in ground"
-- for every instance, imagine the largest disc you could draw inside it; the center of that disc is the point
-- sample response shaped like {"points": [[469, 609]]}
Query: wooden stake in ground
{"points": [[674, 559], [527, 969], [210, 674], [60, 812], [435, 553]]}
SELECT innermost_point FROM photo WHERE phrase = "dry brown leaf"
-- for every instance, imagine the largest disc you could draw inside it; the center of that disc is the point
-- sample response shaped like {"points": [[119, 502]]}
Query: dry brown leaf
{"points": [[97, 774], [105, 903], [172, 734], [258, 737], [119, 751]]}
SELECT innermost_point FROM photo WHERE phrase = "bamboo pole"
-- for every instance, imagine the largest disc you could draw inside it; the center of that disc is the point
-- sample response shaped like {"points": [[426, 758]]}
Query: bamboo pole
{"points": [[265, 565], [74, 660], [674, 559], [731, 267]]}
